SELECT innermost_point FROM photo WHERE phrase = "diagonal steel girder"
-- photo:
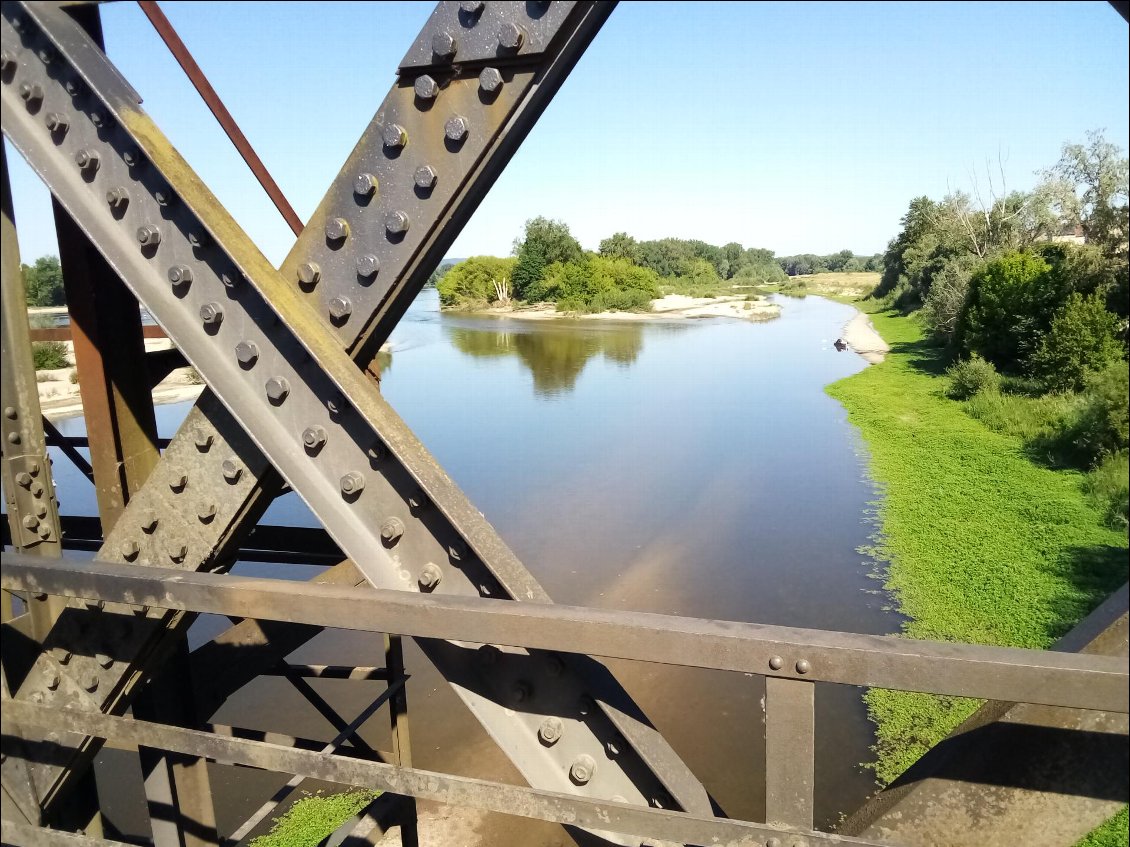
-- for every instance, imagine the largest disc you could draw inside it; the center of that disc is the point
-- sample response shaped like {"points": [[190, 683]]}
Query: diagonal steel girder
{"points": [[432, 530]]}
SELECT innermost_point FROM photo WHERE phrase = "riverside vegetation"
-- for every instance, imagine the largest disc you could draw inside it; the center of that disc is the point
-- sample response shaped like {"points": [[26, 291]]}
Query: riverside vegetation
{"points": [[997, 427]]}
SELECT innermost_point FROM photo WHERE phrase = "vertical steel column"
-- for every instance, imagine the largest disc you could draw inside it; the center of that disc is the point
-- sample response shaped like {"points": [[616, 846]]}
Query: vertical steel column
{"points": [[29, 492], [789, 752], [108, 346], [398, 719]]}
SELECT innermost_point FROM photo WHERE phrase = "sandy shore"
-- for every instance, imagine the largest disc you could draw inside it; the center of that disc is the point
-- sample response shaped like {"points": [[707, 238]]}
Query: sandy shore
{"points": [[671, 307], [861, 336], [59, 396]]}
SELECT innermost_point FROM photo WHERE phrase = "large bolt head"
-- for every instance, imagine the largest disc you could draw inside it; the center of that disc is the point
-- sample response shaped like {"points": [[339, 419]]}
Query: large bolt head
{"points": [[277, 389], [340, 308], [232, 470], [430, 577], [130, 549], [212, 314], [364, 184], [246, 353], [202, 439], [490, 80], [178, 552], [148, 235], [90, 682], [392, 530], [510, 36], [456, 128], [206, 511], [394, 135], [149, 523], [337, 229], [23, 479], [57, 122], [551, 730], [117, 198], [87, 160], [30, 522], [352, 484], [314, 437], [443, 44], [368, 265], [425, 87], [178, 482], [7, 61], [30, 92], [309, 273], [425, 176], [582, 769], [397, 223]]}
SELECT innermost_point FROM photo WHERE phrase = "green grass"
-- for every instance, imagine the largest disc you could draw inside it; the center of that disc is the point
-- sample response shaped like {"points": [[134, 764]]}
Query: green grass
{"points": [[980, 543], [1113, 833], [313, 818]]}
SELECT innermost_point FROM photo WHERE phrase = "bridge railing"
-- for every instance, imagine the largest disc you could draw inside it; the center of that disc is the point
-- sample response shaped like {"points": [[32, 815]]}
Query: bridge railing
{"points": [[791, 660]]}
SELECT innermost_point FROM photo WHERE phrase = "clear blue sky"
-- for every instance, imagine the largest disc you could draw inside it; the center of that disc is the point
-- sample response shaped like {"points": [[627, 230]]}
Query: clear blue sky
{"points": [[798, 127]]}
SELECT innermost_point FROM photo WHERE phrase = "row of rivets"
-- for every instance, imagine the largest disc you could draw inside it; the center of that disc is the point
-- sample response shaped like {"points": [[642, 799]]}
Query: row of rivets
{"points": [[802, 665]]}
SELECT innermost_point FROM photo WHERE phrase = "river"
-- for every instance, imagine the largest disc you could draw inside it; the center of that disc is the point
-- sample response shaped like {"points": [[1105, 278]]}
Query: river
{"points": [[688, 467]]}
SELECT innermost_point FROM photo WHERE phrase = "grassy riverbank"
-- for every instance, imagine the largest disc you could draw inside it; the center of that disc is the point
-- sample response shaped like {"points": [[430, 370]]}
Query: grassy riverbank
{"points": [[981, 543]]}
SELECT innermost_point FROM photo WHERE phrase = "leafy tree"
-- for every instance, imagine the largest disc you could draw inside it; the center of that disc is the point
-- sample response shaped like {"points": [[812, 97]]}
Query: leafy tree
{"points": [[620, 245], [1088, 186], [546, 241], [483, 279], [438, 273], [1082, 339], [44, 282], [946, 298]]}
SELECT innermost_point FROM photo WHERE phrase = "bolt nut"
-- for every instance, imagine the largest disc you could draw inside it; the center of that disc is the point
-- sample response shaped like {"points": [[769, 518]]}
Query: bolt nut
{"points": [[247, 353], [23, 478], [30, 92], [117, 198], [551, 730], [148, 235], [41, 510], [456, 128], [62, 655], [54, 680], [430, 577], [391, 530], [425, 87], [309, 273], [340, 308], [97, 118], [212, 314], [471, 7], [178, 552], [277, 389], [364, 184], [131, 157], [521, 691], [105, 660], [198, 239], [803, 666], [206, 512], [490, 80], [337, 229], [129, 550], [425, 177], [87, 160], [57, 122], [352, 484], [7, 61], [164, 196], [397, 223], [368, 265], [30, 522], [202, 439], [443, 44], [582, 769], [149, 523], [180, 275], [394, 136], [776, 663], [178, 483], [90, 682], [510, 36], [44, 531], [314, 438], [231, 470]]}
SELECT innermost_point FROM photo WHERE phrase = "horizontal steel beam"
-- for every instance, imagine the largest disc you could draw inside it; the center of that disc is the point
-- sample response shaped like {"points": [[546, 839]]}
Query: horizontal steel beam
{"points": [[882, 661], [25, 720]]}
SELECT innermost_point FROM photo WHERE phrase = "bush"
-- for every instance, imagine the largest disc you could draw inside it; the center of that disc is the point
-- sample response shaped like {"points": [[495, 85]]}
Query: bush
{"points": [[49, 355], [473, 280], [1108, 485], [1101, 427], [946, 297], [972, 377], [1082, 339]]}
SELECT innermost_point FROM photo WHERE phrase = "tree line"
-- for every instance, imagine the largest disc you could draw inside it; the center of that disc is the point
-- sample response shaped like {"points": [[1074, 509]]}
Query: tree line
{"points": [[1029, 292]]}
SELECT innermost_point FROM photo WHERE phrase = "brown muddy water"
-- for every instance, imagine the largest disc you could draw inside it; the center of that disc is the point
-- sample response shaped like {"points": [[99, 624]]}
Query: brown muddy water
{"points": [[691, 468]]}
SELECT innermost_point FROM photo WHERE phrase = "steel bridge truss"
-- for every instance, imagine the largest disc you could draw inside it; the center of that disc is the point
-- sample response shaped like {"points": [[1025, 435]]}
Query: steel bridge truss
{"points": [[96, 650]]}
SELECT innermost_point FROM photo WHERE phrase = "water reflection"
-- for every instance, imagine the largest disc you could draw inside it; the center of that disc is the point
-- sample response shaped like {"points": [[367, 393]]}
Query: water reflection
{"points": [[555, 355]]}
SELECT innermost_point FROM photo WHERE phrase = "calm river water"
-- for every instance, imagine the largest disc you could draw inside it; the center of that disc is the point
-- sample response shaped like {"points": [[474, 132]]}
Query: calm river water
{"points": [[693, 468]]}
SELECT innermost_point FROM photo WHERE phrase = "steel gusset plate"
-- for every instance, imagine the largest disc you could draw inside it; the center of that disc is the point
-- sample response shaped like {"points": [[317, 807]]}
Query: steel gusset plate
{"points": [[268, 357]]}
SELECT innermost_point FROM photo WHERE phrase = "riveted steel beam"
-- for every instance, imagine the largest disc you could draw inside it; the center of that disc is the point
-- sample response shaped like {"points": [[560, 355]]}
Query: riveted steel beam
{"points": [[309, 409]]}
